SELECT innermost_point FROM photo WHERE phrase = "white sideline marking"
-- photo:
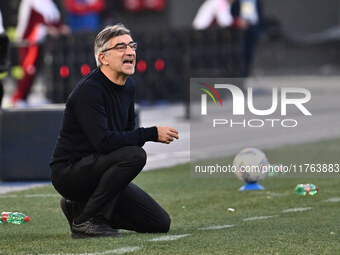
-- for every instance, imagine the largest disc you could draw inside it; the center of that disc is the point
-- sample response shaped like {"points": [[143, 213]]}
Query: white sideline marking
{"points": [[217, 227], [301, 209], [115, 251], [260, 218], [334, 199], [173, 155], [168, 238]]}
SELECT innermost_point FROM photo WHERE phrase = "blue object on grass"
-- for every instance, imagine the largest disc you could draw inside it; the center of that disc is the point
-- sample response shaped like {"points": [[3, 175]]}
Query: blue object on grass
{"points": [[251, 186]]}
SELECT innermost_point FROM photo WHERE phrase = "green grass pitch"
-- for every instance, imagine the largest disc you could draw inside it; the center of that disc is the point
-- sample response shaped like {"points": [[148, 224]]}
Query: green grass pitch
{"points": [[194, 204]]}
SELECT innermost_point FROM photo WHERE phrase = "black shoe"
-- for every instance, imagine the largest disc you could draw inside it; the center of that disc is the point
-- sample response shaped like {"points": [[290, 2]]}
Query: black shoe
{"points": [[67, 208], [91, 228]]}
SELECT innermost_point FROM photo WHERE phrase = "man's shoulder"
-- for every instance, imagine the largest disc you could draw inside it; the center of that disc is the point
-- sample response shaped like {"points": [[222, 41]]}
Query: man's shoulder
{"points": [[91, 78], [88, 85]]}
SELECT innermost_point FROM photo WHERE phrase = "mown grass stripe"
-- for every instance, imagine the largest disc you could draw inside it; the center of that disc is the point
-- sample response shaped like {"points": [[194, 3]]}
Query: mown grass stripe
{"points": [[30, 195], [8, 196], [41, 195], [334, 199]]}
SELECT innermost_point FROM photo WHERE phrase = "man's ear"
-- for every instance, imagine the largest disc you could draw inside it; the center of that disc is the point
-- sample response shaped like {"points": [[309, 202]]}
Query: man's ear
{"points": [[102, 58]]}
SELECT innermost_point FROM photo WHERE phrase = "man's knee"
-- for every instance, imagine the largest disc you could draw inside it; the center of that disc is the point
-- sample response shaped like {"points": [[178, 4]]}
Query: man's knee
{"points": [[164, 224], [136, 155]]}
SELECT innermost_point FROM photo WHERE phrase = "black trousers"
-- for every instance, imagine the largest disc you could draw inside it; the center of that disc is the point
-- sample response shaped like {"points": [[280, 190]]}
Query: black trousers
{"points": [[101, 185]]}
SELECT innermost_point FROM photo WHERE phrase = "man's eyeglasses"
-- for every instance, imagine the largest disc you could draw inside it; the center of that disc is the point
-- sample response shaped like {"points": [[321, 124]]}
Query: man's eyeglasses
{"points": [[121, 47]]}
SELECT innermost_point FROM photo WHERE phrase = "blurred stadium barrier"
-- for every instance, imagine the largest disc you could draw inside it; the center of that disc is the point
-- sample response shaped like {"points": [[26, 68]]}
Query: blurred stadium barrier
{"points": [[27, 139], [165, 61]]}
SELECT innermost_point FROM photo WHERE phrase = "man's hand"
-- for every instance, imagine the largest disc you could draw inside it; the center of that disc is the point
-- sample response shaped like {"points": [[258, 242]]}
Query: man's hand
{"points": [[167, 134]]}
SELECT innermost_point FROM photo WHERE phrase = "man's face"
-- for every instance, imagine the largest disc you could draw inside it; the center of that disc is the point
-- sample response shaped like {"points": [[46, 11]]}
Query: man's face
{"points": [[119, 61]]}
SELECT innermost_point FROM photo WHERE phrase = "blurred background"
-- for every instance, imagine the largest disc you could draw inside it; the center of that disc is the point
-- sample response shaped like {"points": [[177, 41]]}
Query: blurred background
{"points": [[295, 37], [51, 49]]}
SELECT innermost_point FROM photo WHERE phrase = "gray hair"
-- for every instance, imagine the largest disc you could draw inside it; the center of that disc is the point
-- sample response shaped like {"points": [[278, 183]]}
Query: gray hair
{"points": [[103, 37]]}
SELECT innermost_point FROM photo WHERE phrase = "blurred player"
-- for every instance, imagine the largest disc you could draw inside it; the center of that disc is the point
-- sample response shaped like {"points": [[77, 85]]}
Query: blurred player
{"points": [[213, 11], [4, 44], [84, 15], [36, 19], [249, 17]]}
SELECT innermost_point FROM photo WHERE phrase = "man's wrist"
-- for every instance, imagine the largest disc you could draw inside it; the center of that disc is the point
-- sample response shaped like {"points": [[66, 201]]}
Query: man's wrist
{"points": [[150, 134]]}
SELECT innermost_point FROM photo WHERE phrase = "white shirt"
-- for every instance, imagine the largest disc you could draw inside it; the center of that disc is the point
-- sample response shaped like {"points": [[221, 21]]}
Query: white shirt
{"points": [[249, 11], [210, 9], [1, 25], [45, 8]]}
